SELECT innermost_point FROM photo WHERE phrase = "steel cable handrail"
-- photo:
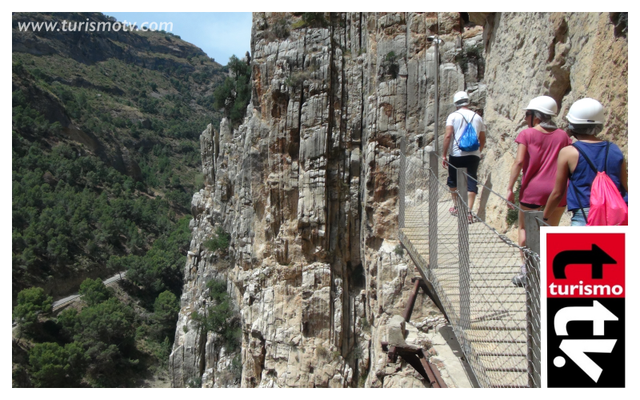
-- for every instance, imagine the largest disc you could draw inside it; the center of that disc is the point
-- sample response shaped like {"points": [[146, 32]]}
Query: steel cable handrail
{"points": [[471, 272]]}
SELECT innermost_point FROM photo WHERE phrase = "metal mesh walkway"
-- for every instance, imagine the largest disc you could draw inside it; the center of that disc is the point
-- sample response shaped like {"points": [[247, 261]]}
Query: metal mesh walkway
{"points": [[497, 315], [470, 267]]}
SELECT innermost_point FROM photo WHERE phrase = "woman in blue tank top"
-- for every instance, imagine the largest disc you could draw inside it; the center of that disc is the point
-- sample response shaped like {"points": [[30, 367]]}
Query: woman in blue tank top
{"points": [[586, 118]]}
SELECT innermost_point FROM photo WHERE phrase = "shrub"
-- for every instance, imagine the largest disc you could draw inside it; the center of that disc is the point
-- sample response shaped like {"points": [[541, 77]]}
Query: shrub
{"points": [[297, 78], [220, 241], [236, 367], [194, 382], [321, 351], [389, 66], [281, 28], [199, 180], [311, 20], [470, 53], [390, 57], [362, 380], [366, 326], [235, 92]]}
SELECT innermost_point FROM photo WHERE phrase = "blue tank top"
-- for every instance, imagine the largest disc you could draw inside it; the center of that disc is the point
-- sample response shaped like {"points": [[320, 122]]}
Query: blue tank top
{"points": [[579, 191]]}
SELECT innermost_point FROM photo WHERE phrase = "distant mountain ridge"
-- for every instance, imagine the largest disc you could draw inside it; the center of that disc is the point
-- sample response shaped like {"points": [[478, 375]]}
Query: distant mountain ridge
{"points": [[134, 102], [91, 47]]}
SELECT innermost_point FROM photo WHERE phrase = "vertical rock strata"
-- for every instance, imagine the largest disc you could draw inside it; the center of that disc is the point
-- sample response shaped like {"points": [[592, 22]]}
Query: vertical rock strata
{"points": [[307, 186]]}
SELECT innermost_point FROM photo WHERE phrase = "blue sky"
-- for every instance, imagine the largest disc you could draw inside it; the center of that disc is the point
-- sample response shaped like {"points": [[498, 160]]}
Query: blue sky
{"points": [[219, 34]]}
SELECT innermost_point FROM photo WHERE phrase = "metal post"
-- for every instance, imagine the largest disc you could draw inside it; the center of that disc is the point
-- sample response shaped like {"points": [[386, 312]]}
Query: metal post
{"points": [[402, 178], [463, 249], [532, 229], [532, 226], [433, 210], [436, 145]]}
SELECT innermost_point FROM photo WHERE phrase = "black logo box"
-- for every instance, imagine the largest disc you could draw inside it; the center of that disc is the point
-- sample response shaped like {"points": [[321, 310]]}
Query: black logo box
{"points": [[612, 364]]}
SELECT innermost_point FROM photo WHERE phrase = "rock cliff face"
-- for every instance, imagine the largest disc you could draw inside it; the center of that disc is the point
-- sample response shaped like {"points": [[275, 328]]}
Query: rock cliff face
{"points": [[307, 187], [568, 56]]}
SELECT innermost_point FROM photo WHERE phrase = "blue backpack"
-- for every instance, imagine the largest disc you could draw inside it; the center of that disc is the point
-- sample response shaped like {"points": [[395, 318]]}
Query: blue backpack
{"points": [[469, 138]]}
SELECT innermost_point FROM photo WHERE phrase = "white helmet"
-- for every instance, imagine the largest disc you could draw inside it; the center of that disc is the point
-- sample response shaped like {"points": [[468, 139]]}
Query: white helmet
{"points": [[586, 112], [544, 104], [461, 99]]}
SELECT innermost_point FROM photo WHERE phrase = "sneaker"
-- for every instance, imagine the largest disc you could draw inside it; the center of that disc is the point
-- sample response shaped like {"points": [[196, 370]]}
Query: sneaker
{"points": [[519, 280]]}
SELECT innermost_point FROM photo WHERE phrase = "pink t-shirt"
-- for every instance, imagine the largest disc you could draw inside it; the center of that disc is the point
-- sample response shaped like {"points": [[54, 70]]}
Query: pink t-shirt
{"points": [[540, 164]]}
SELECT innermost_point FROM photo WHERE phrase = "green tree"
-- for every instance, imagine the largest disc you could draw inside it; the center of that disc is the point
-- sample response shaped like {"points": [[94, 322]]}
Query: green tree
{"points": [[94, 291], [52, 365], [68, 319], [31, 303], [166, 309], [109, 322], [235, 92], [106, 333], [219, 317]]}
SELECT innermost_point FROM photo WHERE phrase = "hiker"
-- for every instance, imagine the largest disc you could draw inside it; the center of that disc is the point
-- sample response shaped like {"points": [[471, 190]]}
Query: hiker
{"points": [[538, 148], [463, 154], [586, 119]]}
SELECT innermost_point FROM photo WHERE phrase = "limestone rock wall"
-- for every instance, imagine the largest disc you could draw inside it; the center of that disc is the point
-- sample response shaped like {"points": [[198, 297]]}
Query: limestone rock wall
{"points": [[307, 186]]}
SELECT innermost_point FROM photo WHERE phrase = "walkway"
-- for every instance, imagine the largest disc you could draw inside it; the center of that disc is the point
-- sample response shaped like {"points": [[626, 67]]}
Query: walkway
{"points": [[470, 271], [69, 299], [497, 315]]}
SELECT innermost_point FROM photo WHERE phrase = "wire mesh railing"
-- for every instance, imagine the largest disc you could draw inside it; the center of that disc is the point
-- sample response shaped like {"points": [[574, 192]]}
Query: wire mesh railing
{"points": [[470, 265]]}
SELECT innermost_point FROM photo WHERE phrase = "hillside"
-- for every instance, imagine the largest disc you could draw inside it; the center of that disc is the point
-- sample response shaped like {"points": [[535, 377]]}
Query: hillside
{"points": [[105, 154], [110, 120]]}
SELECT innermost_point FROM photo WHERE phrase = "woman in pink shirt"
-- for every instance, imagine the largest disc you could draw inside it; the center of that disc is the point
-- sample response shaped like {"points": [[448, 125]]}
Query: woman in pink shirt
{"points": [[537, 158]]}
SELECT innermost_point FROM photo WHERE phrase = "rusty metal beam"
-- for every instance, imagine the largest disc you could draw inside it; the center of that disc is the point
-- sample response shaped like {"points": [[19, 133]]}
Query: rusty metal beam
{"points": [[429, 372], [432, 371], [418, 359], [412, 299], [414, 355]]}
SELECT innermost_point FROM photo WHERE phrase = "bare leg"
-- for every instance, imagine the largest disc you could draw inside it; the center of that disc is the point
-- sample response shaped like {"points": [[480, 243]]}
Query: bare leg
{"points": [[522, 236], [554, 220], [522, 239], [454, 196], [472, 199]]}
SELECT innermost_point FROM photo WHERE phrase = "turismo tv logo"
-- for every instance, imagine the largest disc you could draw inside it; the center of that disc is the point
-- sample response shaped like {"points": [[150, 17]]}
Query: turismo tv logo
{"points": [[585, 309]]}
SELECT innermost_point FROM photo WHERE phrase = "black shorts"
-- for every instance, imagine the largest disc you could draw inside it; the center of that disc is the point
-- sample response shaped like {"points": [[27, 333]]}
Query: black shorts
{"points": [[530, 205], [468, 162]]}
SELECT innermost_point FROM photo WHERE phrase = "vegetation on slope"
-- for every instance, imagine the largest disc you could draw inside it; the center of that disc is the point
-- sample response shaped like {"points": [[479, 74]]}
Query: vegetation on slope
{"points": [[105, 153]]}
